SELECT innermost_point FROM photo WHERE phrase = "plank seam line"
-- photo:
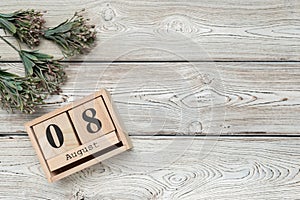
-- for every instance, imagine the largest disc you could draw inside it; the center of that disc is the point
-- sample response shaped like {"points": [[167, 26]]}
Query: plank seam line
{"points": [[168, 61], [191, 136]]}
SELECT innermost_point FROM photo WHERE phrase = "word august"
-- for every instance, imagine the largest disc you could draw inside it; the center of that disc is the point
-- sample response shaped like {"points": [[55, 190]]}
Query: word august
{"points": [[82, 151]]}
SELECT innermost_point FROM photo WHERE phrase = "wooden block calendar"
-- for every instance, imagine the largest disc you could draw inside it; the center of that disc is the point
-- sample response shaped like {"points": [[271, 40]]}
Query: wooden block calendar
{"points": [[77, 136]]}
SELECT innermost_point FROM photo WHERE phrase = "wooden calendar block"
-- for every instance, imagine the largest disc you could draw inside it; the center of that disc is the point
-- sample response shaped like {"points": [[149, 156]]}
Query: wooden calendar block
{"points": [[55, 136], [78, 135], [94, 120]]}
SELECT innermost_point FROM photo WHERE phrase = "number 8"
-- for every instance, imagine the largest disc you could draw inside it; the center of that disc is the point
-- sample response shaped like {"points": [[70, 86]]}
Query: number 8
{"points": [[91, 120]]}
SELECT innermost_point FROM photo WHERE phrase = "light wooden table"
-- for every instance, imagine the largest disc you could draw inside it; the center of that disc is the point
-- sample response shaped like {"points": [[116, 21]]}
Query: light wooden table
{"points": [[208, 90]]}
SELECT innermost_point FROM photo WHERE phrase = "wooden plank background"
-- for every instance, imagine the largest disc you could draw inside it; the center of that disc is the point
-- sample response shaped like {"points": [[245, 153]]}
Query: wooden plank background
{"points": [[208, 90], [236, 168], [227, 30], [248, 97]]}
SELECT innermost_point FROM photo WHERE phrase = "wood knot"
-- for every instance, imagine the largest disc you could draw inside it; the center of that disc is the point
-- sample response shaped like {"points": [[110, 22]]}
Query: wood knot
{"points": [[79, 195], [177, 24], [183, 25], [179, 179], [108, 13], [207, 79], [195, 127]]}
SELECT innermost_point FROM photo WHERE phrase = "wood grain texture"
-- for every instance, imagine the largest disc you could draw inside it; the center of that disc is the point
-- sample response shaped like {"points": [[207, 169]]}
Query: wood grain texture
{"points": [[186, 98], [175, 98], [208, 168], [173, 30]]}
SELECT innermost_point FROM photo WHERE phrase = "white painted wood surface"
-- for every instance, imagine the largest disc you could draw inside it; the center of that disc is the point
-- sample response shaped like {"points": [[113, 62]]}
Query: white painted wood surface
{"points": [[249, 96], [196, 168], [225, 97], [224, 30]]}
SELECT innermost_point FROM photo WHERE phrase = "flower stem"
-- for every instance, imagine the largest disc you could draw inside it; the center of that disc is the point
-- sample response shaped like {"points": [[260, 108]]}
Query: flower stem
{"points": [[10, 44]]}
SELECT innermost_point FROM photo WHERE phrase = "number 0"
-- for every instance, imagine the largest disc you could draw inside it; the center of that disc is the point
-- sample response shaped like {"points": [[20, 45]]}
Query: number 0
{"points": [[59, 135]]}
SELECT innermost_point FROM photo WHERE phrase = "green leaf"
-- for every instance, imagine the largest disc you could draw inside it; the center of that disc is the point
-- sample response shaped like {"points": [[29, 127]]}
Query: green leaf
{"points": [[30, 51], [10, 84], [3, 15], [21, 106], [28, 64], [42, 56], [8, 25], [19, 88], [29, 55], [23, 23], [62, 28], [37, 55], [62, 42], [4, 73]]}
